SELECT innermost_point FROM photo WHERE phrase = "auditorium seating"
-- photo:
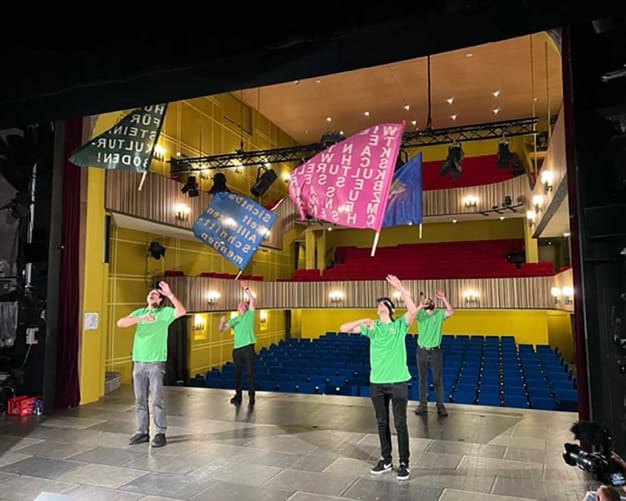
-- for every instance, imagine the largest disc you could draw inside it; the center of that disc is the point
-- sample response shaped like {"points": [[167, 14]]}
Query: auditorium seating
{"points": [[481, 370], [466, 259]]}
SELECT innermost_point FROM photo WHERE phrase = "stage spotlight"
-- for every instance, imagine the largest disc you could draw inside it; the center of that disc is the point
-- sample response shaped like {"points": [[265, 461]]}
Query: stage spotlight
{"points": [[263, 181], [191, 187], [505, 159], [156, 250], [453, 161], [219, 183]]}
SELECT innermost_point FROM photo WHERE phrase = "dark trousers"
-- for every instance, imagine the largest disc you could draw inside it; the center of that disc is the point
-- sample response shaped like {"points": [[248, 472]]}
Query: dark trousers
{"points": [[432, 358], [244, 356], [398, 394]]}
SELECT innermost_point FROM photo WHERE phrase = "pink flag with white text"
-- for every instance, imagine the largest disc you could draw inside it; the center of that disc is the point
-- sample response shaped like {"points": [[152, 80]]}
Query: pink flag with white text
{"points": [[348, 183]]}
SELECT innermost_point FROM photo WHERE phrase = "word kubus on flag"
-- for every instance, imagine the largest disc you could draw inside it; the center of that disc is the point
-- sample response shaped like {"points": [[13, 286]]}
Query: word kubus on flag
{"points": [[348, 182], [234, 226], [128, 145]]}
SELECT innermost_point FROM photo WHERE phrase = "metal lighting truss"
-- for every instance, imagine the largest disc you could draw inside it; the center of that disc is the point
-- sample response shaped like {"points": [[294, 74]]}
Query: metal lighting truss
{"points": [[413, 139]]}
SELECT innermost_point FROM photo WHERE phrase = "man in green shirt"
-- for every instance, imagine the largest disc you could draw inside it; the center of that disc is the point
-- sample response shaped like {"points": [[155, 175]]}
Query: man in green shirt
{"points": [[389, 374], [243, 344], [429, 325], [149, 358]]}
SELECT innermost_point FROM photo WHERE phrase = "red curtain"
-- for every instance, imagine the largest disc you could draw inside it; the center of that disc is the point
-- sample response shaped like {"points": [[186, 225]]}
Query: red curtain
{"points": [[68, 346]]}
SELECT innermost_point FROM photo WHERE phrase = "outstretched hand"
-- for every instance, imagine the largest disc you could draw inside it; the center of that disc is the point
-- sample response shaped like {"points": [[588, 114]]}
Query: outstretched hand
{"points": [[394, 281], [440, 294], [244, 284], [165, 289]]}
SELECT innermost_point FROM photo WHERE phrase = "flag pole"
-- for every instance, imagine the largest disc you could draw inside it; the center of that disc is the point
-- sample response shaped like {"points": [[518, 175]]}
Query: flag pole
{"points": [[237, 277], [420, 231], [375, 244], [143, 178]]}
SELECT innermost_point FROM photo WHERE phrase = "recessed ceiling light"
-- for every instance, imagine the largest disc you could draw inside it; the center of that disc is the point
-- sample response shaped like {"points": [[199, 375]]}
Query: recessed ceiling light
{"points": [[413, 122], [366, 113], [329, 119], [534, 99], [453, 117], [318, 81], [341, 132], [306, 131], [407, 107], [496, 111], [469, 54], [450, 100], [296, 82], [496, 93]]}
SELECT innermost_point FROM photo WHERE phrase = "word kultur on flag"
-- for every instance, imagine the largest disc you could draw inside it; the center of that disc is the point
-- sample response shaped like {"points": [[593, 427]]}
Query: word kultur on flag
{"points": [[128, 145], [234, 226], [404, 205], [348, 182]]}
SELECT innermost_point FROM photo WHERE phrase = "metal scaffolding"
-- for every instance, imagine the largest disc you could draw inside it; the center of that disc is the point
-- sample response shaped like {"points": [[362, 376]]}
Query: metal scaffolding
{"points": [[299, 154]]}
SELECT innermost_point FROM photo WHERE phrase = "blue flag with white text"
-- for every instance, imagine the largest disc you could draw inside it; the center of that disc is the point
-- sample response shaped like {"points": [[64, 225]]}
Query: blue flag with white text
{"points": [[234, 226], [404, 205]]}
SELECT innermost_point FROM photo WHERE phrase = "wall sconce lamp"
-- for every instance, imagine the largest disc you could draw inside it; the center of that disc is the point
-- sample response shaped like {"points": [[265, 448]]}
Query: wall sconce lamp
{"points": [[568, 294], [538, 203], [397, 297], [546, 180], [336, 296], [470, 201], [198, 322], [470, 296], [530, 217], [213, 297], [159, 152], [263, 317], [556, 294], [182, 212]]}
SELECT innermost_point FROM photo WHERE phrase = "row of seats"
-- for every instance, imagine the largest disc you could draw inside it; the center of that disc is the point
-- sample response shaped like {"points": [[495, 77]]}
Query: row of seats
{"points": [[491, 370]]}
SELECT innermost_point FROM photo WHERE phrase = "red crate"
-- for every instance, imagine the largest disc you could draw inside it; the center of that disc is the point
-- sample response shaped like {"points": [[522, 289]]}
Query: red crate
{"points": [[21, 406]]}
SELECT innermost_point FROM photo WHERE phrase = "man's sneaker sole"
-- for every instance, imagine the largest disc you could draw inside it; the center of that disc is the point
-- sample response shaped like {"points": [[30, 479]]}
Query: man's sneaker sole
{"points": [[404, 477]]}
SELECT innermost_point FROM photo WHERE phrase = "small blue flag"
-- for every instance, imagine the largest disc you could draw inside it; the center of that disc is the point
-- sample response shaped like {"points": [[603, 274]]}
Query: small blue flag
{"points": [[405, 195]]}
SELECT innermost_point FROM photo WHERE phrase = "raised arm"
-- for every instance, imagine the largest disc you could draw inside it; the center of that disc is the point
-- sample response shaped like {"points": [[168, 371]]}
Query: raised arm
{"points": [[411, 309], [449, 309], [179, 309], [355, 324], [223, 324], [130, 320], [248, 292]]}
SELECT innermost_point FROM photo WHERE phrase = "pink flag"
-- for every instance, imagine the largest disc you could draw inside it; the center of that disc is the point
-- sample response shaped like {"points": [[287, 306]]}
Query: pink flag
{"points": [[348, 182]]}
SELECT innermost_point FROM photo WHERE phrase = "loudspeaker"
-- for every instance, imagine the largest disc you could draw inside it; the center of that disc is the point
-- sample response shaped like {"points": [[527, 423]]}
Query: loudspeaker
{"points": [[263, 181]]}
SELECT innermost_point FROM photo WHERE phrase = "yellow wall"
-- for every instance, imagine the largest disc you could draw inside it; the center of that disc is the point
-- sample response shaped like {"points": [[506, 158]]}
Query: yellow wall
{"points": [[434, 232], [210, 348], [560, 333], [528, 326]]}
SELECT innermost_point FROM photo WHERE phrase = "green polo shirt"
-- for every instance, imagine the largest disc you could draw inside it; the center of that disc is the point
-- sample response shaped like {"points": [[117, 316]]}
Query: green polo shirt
{"points": [[429, 328], [150, 343], [388, 351], [243, 329]]}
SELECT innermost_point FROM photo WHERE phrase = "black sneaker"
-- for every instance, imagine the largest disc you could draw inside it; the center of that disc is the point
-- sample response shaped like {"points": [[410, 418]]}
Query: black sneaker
{"points": [[138, 438], [236, 400], [420, 410], [403, 472], [441, 411], [158, 440], [381, 467]]}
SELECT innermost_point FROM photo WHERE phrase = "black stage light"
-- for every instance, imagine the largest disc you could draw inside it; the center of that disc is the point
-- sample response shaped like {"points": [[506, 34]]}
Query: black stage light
{"points": [[453, 161], [191, 187], [263, 181], [156, 250], [505, 159], [219, 183]]}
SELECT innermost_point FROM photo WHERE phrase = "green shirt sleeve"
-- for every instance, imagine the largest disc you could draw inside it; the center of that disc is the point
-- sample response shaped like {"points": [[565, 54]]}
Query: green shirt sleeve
{"points": [[138, 312], [366, 331]]}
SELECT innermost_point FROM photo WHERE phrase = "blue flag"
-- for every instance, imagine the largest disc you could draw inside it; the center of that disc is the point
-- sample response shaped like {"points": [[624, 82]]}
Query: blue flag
{"points": [[405, 195], [234, 226]]}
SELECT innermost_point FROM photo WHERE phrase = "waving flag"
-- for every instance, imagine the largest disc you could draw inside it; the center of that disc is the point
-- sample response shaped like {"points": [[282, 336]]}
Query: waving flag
{"points": [[348, 182], [405, 195], [128, 145], [234, 226]]}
